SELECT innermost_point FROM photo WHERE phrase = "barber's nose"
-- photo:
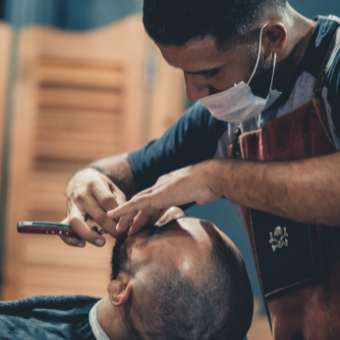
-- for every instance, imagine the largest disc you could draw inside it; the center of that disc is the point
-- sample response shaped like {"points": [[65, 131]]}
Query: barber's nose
{"points": [[195, 87]]}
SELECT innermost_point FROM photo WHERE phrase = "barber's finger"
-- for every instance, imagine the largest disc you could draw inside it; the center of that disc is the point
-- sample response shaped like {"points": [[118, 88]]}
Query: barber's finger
{"points": [[138, 202], [91, 207], [125, 222], [107, 197], [148, 216], [79, 225], [72, 241]]}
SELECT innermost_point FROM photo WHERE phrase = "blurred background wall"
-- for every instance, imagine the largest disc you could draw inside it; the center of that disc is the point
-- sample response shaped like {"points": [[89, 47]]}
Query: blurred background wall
{"points": [[47, 74], [68, 14], [89, 14], [83, 81]]}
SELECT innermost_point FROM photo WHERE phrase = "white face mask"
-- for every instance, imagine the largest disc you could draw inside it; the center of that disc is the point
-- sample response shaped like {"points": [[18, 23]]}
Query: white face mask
{"points": [[238, 104]]}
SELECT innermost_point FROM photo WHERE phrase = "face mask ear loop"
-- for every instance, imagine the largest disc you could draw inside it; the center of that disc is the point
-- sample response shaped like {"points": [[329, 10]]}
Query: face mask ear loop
{"points": [[258, 55], [270, 88], [273, 74]]}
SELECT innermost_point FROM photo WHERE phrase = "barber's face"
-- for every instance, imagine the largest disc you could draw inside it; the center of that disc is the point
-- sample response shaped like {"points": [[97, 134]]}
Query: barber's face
{"points": [[185, 244], [208, 70]]}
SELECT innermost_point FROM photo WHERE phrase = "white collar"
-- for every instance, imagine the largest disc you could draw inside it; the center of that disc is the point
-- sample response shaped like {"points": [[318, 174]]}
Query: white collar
{"points": [[97, 331]]}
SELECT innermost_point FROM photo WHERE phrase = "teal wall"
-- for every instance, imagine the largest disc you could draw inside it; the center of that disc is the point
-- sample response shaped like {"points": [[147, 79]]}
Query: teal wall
{"points": [[68, 14], [313, 8], [89, 14]]}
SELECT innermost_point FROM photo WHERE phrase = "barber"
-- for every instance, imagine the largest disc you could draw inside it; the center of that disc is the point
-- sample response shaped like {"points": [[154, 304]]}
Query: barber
{"points": [[264, 134]]}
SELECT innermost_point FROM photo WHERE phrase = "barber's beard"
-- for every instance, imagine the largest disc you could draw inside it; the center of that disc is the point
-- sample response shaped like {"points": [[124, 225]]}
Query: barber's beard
{"points": [[261, 82], [265, 65]]}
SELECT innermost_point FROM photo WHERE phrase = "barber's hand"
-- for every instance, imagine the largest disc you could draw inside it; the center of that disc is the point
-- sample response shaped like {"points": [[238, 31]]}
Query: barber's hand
{"points": [[190, 184], [89, 195]]}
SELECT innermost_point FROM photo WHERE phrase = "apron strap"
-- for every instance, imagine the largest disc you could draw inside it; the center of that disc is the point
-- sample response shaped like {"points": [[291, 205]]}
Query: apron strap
{"points": [[331, 54], [319, 108]]}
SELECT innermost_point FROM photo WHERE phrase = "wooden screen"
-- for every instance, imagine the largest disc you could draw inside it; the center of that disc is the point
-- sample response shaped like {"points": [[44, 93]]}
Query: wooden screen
{"points": [[79, 119], [79, 97]]}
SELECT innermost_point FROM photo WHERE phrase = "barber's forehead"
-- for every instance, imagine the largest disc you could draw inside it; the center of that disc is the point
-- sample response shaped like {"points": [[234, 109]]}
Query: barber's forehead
{"points": [[194, 52]]}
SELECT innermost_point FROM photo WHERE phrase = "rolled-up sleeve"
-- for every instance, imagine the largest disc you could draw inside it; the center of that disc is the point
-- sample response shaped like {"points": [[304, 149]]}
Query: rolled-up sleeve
{"points": [[191, 140]]}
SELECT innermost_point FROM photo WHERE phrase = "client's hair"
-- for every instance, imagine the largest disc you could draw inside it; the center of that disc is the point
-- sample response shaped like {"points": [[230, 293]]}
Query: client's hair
{"points": [[220, 306]]}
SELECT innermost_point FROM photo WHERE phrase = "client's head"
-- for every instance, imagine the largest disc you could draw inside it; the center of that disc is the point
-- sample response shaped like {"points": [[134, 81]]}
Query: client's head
{"points": [[183, 280]]}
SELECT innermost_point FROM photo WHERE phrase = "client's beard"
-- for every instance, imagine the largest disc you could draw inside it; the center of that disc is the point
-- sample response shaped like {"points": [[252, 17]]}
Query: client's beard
{"points": [[119, 257]]}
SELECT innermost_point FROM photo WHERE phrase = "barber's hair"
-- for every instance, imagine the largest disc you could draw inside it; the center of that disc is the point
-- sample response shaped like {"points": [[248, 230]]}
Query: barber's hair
{"points": [[218, 307], [175, 22]]}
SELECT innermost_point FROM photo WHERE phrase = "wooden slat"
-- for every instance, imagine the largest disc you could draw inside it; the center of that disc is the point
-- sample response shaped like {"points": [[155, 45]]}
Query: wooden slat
{"points": [[79, 136], [38, 290], [58, 165], [56, 215], [45, 191], [45, 250], [80, 99], [50, 267], [86, 63], [39, 180], [61, 72], [45, 196], [53, 281], [75, 151], [77, 120]]}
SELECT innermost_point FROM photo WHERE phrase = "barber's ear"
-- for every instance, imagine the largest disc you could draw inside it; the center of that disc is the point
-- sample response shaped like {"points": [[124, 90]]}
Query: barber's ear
{"points": [[120, 289], [275, 36]]}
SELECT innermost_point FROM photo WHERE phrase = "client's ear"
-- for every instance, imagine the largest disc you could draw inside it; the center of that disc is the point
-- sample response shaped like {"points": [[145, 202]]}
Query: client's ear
{"points": [[120, 289]]}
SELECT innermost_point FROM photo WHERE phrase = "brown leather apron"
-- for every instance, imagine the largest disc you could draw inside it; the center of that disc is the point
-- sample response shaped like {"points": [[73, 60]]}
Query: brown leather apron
{"points": [[298, 265]]}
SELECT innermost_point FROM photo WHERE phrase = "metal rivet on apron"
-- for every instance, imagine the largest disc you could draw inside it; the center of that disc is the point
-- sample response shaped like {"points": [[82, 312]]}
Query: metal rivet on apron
{"points": [[279, 239]]}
